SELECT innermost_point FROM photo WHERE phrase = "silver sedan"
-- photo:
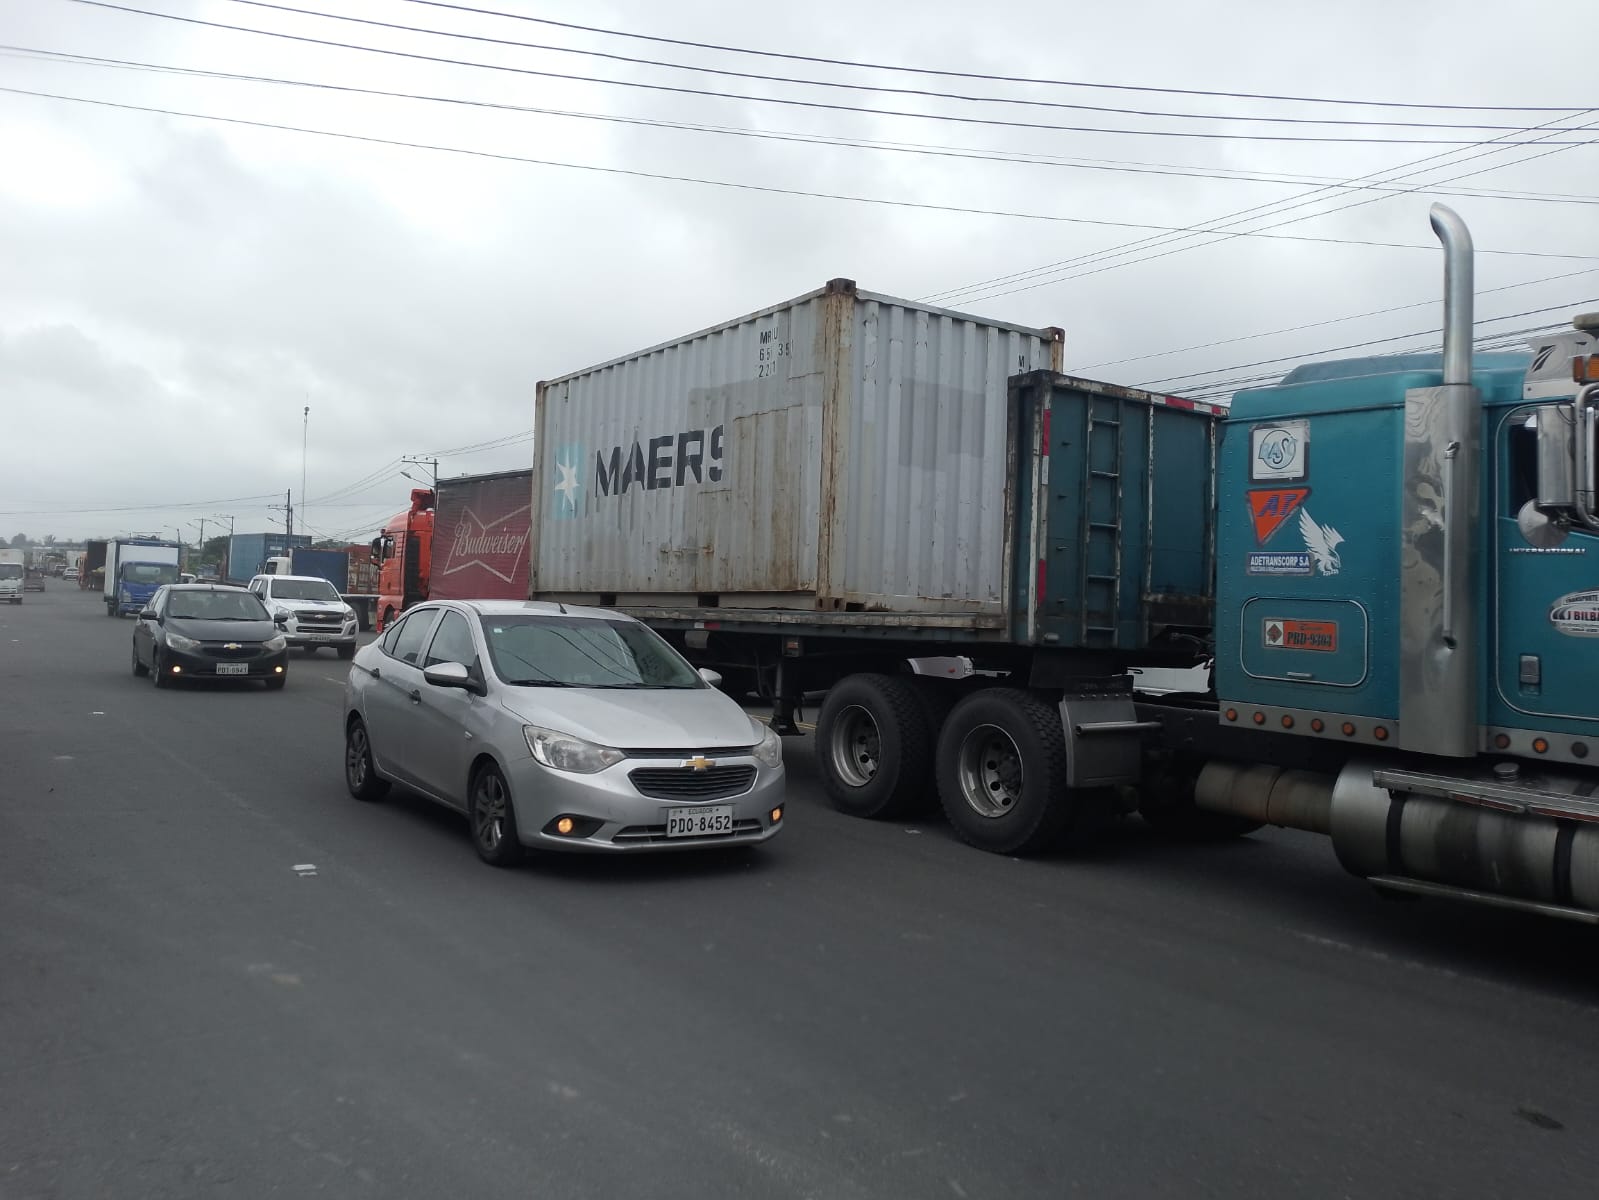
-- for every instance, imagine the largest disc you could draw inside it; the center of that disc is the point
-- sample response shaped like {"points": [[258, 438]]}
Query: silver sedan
{"points": [[558, 728]]}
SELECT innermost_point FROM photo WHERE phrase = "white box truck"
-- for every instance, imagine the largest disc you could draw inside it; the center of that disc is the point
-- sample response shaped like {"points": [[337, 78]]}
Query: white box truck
{"points": [[13, 570]]}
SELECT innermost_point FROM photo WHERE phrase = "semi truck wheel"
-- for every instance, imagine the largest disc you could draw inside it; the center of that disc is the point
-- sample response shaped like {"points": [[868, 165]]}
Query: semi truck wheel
{"points": [[875, 746], [1002, 773]]}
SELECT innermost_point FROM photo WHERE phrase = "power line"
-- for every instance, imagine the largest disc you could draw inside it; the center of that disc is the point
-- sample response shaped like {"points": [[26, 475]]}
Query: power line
{"points": [[767, 189], [957, 152], [1376, 312], [753, 99], [131, 508], [925, 93], [1222, 226], [871, 66], [1178, 380]]}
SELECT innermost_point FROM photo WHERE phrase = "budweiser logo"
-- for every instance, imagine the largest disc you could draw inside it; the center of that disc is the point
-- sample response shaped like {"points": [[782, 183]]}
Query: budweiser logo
{"points": [[497, 546]]}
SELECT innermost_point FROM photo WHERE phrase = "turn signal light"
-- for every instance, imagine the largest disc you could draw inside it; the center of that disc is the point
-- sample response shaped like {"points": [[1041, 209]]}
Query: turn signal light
{"points": [[777, 815], [1585, 368], [564, 825]]}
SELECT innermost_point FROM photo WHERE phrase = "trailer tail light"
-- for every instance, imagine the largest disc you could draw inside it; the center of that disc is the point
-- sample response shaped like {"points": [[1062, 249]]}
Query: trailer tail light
{"points": [[1585, 368]]}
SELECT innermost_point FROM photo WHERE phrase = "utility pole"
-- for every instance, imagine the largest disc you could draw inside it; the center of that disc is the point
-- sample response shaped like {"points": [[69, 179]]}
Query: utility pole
{"points": [[418, 461], [226, 565], [305, 441], [287, 509]]}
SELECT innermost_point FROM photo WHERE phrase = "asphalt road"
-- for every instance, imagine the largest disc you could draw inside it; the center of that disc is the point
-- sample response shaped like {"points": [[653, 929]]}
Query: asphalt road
{"points": [[856, 1010]]}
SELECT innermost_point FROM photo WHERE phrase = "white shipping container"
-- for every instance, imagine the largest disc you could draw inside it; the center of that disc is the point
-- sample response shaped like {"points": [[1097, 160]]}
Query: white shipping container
{"points": [[841, 452]]}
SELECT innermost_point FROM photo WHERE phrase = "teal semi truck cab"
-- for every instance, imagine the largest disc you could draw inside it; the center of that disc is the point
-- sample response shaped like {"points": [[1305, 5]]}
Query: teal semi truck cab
{"points": [[1408, 578]]}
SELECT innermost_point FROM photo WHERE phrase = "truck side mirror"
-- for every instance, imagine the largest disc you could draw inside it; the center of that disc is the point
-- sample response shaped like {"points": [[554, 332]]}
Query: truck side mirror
{"points": [[1557, 458]]}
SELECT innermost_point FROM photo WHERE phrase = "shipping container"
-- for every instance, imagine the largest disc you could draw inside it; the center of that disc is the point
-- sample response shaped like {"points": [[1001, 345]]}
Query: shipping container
{"points": [[363, 572], [481, 527], [248, 552], [93, 560], [332, 565], [841, 452]]}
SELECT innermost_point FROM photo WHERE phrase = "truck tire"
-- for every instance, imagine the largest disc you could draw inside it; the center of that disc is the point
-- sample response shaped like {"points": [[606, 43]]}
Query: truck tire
{"points": [[1002, 773], [875, 746]]}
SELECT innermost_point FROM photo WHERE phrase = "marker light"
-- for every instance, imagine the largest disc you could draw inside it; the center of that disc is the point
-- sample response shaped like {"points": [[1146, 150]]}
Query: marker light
{"points": [[1318, 724], [1349, 730], [1541, 745], [1585, 368]]}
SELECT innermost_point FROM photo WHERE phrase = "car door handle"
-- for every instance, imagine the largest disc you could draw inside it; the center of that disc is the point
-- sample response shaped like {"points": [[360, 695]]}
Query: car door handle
{"points": [[416, 696]]}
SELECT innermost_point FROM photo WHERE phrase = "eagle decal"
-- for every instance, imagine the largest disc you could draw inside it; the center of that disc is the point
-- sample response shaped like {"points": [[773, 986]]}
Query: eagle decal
{"points": [[1322, 541]]}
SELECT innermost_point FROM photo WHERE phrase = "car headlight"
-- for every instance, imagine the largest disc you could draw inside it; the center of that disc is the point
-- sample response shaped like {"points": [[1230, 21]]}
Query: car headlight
{"points": [[769, 750], [176, 641], [275, 643], [349, 613], [563, 752]]}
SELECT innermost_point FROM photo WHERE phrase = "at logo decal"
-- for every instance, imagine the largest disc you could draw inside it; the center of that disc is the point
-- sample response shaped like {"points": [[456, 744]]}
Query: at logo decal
{"points": [[1270, 507]]}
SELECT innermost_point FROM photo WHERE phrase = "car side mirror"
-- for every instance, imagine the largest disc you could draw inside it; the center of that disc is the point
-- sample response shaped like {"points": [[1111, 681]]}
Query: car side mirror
{"points": [[281, 620], [450, 675], [147, 614], [710, 677]]}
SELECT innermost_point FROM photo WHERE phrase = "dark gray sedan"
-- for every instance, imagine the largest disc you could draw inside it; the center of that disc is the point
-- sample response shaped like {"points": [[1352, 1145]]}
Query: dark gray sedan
{"points": [[208, 631]]}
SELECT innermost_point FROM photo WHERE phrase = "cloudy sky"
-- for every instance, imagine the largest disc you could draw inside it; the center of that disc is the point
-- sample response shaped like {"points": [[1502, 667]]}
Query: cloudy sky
{"points": [[174, 290]]}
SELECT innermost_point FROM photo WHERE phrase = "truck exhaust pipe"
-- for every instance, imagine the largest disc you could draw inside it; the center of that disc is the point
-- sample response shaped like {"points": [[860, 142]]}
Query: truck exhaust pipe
{"points": [[1459, 292], [1438, 606]]}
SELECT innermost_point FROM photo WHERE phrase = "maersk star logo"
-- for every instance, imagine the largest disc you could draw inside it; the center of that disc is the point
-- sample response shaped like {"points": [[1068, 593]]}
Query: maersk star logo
{"points": [[568, 460]]}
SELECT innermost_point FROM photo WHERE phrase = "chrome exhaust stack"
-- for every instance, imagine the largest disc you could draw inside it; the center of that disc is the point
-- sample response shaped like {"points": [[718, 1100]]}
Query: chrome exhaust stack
{"points": [[1438, 641]]}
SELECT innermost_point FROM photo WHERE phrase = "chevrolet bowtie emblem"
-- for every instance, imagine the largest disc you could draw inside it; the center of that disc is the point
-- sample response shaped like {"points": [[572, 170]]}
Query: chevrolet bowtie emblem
{"points": [[699, 763], [232, 646]]}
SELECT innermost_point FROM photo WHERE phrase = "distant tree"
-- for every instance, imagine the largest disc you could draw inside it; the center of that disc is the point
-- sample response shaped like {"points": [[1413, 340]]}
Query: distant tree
{"points": [[20, 541], [215, 549]]}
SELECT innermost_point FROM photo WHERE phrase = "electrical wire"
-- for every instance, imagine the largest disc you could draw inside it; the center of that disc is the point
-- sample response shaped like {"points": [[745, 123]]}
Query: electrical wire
{"points": [[924, 93], [871, 66], [754, 99], [1376, 312], [971, 153], [1178, 380], [767, 189]]}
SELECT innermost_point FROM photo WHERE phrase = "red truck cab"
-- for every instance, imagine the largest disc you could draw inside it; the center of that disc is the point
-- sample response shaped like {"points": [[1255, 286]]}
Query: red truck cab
{"points": [[402, 553]]}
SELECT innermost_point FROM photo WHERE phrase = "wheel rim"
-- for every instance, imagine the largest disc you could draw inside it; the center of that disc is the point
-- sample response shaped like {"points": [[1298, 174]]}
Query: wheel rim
{"points": [[857, 747], [489, 811], [990, 772], [355, 756]]}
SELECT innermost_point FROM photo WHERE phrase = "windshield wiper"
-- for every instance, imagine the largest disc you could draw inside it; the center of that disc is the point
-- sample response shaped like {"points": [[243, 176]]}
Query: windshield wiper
{"points": [[541, 683]]}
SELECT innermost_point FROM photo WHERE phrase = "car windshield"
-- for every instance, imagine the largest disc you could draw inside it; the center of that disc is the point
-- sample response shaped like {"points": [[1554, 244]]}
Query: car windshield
{"points": [[303, 589], [217, 606], [583, 652], [10, 570], [157, 573]]}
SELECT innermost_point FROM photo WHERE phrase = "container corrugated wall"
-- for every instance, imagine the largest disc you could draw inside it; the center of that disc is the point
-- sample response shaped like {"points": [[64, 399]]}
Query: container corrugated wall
{"points": [[841, 451], [480, 537]]}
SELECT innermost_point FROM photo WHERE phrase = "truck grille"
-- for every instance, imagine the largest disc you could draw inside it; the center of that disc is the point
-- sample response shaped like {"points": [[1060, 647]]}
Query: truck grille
{"points": [[684, 783]]}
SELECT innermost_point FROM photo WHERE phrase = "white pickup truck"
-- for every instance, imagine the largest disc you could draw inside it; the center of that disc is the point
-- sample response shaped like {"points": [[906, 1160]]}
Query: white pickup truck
{"points": [[316, 615], [13, 573]]}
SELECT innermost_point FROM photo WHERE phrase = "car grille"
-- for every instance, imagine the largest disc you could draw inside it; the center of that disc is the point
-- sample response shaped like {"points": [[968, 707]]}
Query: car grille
{"points": [[685, 783], [330, 619], [231, 650], [634, 834]]}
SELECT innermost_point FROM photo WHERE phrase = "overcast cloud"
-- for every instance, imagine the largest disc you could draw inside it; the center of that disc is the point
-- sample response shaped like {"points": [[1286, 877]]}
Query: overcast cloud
{"points": [[174, 291]]}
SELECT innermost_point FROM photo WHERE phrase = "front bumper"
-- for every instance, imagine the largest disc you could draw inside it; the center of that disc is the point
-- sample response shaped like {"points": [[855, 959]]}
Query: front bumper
{"points": [[613, 817], [308, 635], [203, 664]]}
